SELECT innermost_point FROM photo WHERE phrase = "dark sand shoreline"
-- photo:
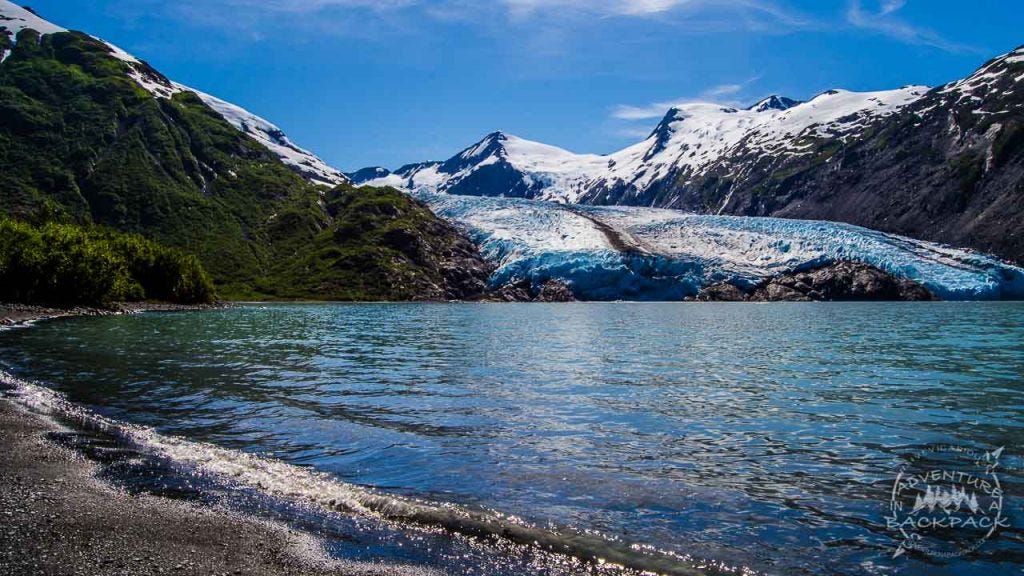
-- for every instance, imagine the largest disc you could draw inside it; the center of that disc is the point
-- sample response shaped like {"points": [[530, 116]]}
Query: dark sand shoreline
{"points": [[58, 518], [12, 314]]}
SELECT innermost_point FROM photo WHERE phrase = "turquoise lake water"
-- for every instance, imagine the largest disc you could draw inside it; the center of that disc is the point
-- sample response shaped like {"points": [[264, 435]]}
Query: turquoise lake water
{"points": [[764, 438]]}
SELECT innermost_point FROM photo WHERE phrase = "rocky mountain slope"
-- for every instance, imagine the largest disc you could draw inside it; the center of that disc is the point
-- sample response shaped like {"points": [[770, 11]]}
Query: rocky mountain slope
{"points": [[949, 167], [90, 134], [943, 164]]}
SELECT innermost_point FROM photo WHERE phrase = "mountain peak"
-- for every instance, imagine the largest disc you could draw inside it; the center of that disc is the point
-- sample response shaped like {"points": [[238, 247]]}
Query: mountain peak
{"points": [[674, 113], [492, 144], [774, 102], [663, 131], [494, 139], [368, 174]]}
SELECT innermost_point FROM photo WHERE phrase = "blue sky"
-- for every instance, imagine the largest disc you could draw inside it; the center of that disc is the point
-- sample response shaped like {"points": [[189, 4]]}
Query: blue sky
{"points": [[386, 82]]}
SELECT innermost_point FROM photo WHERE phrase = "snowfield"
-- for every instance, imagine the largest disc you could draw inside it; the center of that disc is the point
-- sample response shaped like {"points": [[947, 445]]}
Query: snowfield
{"points": [[628, 253]]}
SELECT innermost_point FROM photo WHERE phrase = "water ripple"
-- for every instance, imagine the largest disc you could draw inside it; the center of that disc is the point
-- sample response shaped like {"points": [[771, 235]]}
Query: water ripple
{"points": [[767, 436]]}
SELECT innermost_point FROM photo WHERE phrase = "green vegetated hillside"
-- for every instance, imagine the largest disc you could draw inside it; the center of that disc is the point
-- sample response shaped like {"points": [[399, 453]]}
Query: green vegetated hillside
{"points": [[69, 265], [382, 242], [80, 138]]}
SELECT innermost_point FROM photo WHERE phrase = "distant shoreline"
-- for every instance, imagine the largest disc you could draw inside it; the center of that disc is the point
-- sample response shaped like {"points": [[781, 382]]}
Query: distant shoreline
{"points": [[13, 314]]}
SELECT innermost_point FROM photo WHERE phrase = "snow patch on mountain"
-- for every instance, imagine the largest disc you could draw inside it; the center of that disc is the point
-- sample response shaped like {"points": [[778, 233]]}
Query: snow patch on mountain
{"points": [[425, 176], [987, 77], [144, 75], [671, 255], [15, 18], [300, 160], [1016, 57], [530, 157]]}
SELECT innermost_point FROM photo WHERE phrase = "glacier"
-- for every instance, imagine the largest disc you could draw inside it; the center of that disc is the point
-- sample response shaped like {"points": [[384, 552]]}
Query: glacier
{"points": [[606, 253]]}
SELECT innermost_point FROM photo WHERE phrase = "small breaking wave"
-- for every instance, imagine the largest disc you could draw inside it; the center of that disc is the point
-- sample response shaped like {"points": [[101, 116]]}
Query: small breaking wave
{"points": [[278, 479]]}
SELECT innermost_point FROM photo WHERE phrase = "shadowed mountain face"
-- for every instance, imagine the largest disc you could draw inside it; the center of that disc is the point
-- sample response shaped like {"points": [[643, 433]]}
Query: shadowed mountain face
{"points": [[943, 164], [949, 168]]}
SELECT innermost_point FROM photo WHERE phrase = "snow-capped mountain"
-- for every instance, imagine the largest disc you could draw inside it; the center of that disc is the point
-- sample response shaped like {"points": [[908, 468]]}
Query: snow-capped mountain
{"points": [[93, 135], [636, 253], [514, 166], [691, 141], [942, 164], [696, 140], [13, 19]]}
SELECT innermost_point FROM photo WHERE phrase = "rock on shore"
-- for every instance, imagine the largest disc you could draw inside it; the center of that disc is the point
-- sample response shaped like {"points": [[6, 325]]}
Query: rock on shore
{"points": [[523, 291], [837, 282]]}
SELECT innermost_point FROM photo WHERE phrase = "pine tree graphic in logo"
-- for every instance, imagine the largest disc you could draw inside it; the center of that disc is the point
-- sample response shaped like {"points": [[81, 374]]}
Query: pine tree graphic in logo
{"points": [[947, 502]]}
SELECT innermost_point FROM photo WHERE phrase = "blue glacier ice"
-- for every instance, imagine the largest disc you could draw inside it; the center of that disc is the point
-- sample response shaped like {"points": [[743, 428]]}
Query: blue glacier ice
{"points": [[629, 253]]}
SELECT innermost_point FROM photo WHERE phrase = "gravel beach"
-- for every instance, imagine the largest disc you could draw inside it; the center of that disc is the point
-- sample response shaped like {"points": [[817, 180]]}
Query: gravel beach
{"points": [[57, 518]]}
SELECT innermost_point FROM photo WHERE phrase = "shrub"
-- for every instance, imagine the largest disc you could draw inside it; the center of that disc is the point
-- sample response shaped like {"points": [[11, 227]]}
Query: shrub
{"points": [[68, 265]]}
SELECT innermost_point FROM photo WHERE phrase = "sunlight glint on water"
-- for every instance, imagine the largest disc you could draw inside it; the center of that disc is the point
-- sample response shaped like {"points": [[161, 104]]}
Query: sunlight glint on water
{"points": [[765, 436]]}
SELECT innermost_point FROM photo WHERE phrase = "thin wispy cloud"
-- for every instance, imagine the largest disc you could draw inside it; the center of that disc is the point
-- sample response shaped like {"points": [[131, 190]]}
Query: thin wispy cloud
{"points": [[706, 16], [265, 15], [634, 132], [629, 112], [890, 6], [264, 18], [601, 7], [883, 19], [724, 94], [724, 90], [300, 6], [519, 8], [642, 8]]}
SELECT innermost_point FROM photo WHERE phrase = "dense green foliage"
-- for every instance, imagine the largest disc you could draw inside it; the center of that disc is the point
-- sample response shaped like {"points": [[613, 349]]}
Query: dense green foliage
{"points": [[77, 133], [67, 265], [381, 245]]}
